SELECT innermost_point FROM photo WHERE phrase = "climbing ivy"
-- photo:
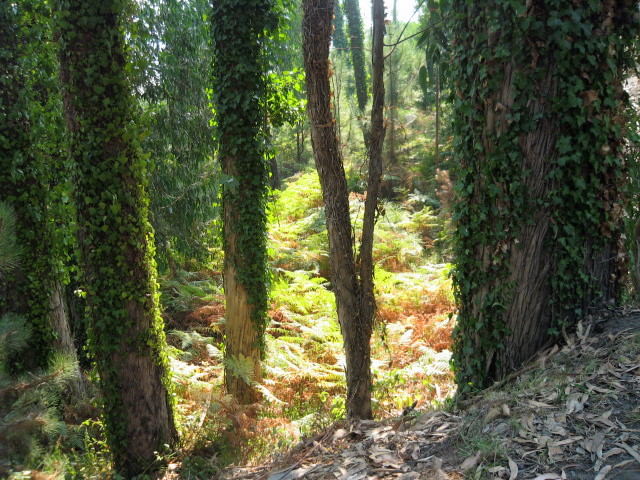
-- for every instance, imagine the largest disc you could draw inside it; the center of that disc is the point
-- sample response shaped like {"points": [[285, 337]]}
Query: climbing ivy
{"points": [[24, 175], [560, 64], [339, 38], [240, 30], [116, 240]]}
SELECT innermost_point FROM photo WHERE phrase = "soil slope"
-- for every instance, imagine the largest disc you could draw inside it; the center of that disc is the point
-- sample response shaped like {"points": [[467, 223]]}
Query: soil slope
{"points": [[572, 413]]}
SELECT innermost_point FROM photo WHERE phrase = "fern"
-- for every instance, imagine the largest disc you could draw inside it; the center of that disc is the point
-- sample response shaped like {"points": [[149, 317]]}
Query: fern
{"points": [[241, 367], [9, 249]]}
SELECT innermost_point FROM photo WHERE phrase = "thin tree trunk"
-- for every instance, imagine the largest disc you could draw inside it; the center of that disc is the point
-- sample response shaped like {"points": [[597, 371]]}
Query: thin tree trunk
{"points": [[367, 297], [393, 94], [356, 45], [355, 330], [115, 237], [437, 155]]}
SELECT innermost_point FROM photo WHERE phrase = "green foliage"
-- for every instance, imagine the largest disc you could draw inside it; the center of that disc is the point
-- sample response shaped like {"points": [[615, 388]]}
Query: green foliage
{"points": [[284, 97], [578, 49], [436, 41], [115, 237], [30, 423], [339, 37], [185, 291], [239, 33], [172, 54], [24, 175], [300, 238]]}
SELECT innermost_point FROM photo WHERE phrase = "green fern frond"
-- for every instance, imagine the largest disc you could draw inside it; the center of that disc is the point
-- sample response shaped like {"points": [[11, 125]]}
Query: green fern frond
{"points": [[9, 249], [241, 367], [14, 333]]}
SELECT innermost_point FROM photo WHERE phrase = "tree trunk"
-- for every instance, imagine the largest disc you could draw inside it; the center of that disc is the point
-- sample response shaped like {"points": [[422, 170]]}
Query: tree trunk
{"points": [[116, 240], [356, 45], [538, 212], [354, 296], [316, 39], [239, 84], [393, 94], [367, 296], [23, 186], [437, 153]]}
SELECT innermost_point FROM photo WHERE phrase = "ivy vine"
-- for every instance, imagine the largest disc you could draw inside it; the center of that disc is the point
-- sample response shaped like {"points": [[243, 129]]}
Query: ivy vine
{"points": [[114, 234], [520, 65], [240, 30], [24, 180]]}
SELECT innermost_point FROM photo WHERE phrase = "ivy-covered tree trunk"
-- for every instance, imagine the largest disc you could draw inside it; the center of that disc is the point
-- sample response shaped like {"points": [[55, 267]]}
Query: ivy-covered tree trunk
{"points": [[126, 333], [238, 30], [356, 45], [538, 131], [352, 284], [24, 187]]}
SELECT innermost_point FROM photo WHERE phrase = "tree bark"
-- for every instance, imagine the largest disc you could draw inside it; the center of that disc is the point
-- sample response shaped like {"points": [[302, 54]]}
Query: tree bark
{"points": [[437, 153], [238, 33], [354, 294], [115, 237], [368, 304], [393, 93], [63, 342], [520, 221], [356, 45]]}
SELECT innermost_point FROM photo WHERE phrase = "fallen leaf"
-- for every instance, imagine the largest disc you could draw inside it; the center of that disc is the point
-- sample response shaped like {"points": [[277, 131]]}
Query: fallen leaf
{"points": [[470, 462], [566, 441], [537, 404], [492, 414], [513, 468], [631, 451], [576, 401], [612, 452], [603, 473], [548, 476]]}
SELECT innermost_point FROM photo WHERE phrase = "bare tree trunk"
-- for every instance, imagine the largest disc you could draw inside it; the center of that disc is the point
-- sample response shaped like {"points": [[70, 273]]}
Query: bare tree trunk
{"points": [[367, 297], [316, 39]]}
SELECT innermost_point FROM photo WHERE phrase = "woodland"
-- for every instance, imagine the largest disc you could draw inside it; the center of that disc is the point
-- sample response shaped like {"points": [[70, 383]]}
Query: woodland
{"points": [[286, 239]]}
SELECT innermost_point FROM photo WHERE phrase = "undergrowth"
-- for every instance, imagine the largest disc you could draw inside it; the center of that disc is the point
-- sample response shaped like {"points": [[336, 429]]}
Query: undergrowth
{"points": [[303, 386]]}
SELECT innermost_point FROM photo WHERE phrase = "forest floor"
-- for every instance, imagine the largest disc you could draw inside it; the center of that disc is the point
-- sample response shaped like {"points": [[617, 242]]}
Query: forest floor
{"points": [[572, 413]]}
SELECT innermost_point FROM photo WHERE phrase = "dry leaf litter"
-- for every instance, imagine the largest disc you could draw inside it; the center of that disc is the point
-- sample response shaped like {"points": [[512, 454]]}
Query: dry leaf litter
{"points": [[573, 413]]}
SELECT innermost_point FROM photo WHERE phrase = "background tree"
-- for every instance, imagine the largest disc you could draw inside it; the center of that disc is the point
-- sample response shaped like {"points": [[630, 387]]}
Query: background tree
{"points": [[28, 160], [239, 33], [356, 46], [436, 71], [352, 283], [539, 142], [126, 335], [392, 101]]}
